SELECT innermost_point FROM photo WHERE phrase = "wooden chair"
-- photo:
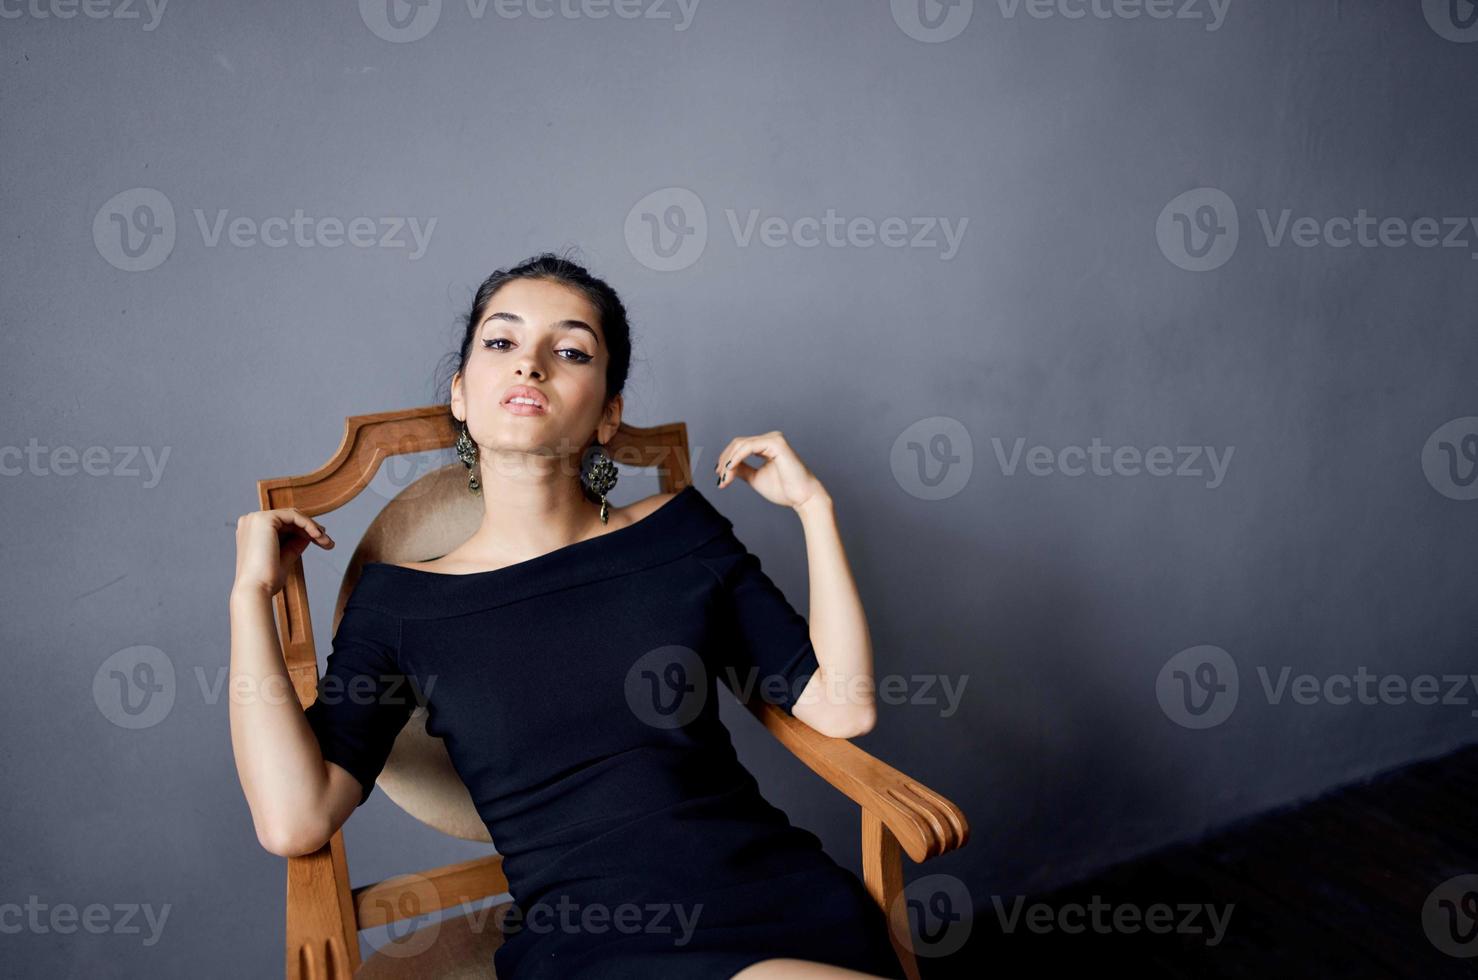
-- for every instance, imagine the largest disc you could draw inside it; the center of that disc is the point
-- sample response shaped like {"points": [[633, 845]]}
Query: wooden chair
{"points": [[425, 520]]}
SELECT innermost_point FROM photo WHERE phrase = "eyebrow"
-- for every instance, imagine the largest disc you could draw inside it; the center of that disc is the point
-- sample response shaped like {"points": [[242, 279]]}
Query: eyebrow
{"points": [[558, 325]]}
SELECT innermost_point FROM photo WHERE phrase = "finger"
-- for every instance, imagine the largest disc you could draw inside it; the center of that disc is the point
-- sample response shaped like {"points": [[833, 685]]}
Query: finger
{"points": [[745, 472], [718, 463], [751, 446], [742, 450], [724, 454], [726, 458], [312, 528]]}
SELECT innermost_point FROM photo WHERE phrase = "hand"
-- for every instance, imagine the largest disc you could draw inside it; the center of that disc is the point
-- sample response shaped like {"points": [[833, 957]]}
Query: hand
{"points": [[781, 479], [267, 544]]}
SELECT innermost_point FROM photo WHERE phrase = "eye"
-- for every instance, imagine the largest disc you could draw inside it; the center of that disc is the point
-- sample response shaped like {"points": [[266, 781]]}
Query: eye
{"points": [[580, 357]]}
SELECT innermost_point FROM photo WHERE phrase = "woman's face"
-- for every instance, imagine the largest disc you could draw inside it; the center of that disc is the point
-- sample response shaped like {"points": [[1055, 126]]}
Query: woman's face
{"points": [[547, 337]]}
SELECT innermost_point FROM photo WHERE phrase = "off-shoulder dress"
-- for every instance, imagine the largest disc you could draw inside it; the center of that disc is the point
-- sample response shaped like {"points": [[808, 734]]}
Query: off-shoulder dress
{"points": [[576, 694]]}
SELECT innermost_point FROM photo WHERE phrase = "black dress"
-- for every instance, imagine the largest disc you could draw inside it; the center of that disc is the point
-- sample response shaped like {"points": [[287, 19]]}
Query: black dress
{"points": [[576, 695]]}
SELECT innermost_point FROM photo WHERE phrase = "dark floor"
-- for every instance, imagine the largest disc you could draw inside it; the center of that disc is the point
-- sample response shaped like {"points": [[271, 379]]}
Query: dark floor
{"points": [[1344, 886]]}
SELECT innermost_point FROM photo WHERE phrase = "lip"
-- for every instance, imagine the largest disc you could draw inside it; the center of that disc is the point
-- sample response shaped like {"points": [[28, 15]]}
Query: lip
{"points": [[525, 391]]}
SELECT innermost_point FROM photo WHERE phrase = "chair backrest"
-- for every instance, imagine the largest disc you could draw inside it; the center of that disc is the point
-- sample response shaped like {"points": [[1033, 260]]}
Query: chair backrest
{"points": [[423, 521]]}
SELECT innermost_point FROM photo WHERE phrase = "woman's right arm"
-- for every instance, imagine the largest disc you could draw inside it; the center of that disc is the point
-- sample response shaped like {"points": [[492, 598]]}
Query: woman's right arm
{"points": [[297, 800]]}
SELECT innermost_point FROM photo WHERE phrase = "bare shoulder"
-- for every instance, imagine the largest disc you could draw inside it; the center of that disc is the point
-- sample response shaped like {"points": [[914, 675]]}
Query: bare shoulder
{"points": [[642, 508]]}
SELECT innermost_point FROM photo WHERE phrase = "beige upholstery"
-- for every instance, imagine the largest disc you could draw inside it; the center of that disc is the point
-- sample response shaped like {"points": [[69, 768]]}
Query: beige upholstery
{"points": [[426, 520], [457, 948]]}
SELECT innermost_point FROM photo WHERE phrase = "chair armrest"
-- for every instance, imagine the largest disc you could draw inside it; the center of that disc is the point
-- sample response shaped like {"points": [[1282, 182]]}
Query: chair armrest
{"points": [[925, 823]]}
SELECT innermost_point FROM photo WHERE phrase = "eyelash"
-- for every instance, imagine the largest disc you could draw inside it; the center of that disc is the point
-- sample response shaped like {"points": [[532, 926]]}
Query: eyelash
{"points": [[584, 358]]}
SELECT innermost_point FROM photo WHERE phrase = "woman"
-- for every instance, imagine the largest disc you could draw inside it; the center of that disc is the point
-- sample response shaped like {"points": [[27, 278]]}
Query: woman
{"points": [[568, 653]]}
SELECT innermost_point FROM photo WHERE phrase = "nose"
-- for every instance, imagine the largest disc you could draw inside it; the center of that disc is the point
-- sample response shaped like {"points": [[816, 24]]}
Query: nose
{"points": [[528, 366]]}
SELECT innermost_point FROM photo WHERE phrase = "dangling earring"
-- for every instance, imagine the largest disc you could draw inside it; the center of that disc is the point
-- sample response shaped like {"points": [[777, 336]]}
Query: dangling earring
{"points": [[467, 453], [600, 477]]}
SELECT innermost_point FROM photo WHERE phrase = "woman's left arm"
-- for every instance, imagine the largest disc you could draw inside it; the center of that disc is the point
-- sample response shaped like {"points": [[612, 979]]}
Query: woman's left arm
{"points": [[838, 699]]}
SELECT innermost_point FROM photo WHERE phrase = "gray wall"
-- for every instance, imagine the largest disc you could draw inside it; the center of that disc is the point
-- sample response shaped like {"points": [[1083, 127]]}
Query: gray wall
{"points": [[1072, 309]]}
